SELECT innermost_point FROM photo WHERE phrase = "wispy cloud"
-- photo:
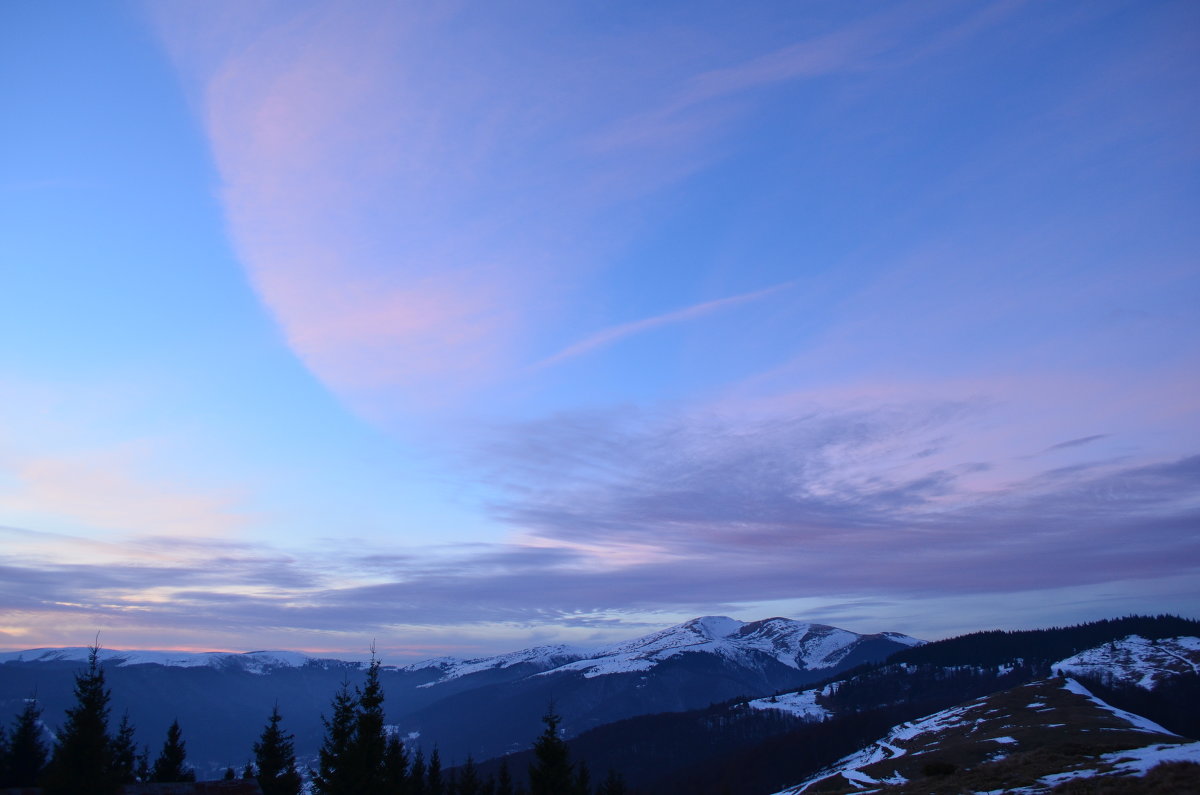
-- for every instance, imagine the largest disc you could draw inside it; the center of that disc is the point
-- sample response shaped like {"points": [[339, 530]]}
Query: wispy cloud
{"points": [[614, 334], [1077, 442]]}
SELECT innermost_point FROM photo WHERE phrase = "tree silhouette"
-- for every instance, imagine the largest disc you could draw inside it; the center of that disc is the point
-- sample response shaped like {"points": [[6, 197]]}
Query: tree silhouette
{"points": [[333, 775], [550, 773], [395, 765], [124, 753], [416, 779], [24, 759], [504, 782], [275, 756], [82, 761], [368, 747], [171, 764], [436, 785]]}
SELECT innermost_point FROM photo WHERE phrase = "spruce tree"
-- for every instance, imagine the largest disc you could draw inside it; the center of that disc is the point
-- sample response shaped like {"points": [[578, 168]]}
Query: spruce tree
{"points": [[275, 756], [4, 757], [550, 773], [468, 778], [143, 764], [434, 783], [395, 765], [82, 761], [583, 779], [416, 779], [25, 760], [171, 765], [334, 775], [369, 745], [613, 784], [504, 782], [124, 753]]}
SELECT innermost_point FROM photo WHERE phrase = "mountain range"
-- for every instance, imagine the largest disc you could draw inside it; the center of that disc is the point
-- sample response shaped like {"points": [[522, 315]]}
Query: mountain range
{"points": [[716, 705], [485, 706]]}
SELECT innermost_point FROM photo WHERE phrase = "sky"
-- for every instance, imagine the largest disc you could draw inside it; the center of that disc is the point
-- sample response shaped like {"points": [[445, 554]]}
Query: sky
{"points": [[464, 327]]}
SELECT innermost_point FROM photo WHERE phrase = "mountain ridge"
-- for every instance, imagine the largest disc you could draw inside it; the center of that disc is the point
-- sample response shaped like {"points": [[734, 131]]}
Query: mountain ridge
{"points": [[797, 644]]}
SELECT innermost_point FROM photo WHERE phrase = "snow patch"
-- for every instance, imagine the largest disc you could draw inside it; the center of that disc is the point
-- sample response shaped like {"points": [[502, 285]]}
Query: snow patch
{"points": [[1136, 659], [802, 704], [1137, 721], [1135, 762]]}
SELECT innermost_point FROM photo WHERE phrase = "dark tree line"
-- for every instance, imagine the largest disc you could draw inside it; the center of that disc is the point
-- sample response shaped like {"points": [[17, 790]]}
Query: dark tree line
{"points": [[359, 757], [89, 759]]}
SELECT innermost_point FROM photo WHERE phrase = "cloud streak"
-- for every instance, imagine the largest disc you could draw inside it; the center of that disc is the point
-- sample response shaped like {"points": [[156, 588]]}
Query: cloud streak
{"points": [[609, 336], [625, 516]]}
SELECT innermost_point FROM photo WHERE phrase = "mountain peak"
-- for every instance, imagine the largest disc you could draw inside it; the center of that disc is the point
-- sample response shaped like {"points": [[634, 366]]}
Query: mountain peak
{"points": [[713, 626]]}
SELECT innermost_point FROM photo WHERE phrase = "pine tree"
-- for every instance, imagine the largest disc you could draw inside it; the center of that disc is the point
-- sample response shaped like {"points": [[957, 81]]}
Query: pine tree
{"points": [[124, 753], [82, 761], [395, 765], [550, 774], [369, 745], [613, 784], [435, 785], [504, 782], [416, 779], [334, 775], [583, 779], [4, 759], [275, 756], [143, 764], [171, 765], [25, 759], [468, 779]]}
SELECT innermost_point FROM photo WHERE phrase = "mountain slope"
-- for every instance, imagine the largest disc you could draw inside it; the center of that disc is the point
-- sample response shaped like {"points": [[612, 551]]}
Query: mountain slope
{"points": [[1032, 737], [1141, 661], [761, 745]]}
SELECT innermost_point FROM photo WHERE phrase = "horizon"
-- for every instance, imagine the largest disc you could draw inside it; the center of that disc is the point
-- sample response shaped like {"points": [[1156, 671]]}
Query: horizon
{"points": [[345, 656], [469, 329]]}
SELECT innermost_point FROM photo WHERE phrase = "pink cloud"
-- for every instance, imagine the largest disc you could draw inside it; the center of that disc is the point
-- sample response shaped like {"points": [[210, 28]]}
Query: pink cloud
{"points": [[110, 490]]}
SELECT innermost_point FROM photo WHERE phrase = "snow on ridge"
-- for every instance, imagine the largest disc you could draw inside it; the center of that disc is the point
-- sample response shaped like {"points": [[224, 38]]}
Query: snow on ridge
{"points": [[1136, 659], [253, 662], [800, 645], [801, 704], [796, 644], [1133, 762], [454, 667], [899, 637], [1136, 721]]}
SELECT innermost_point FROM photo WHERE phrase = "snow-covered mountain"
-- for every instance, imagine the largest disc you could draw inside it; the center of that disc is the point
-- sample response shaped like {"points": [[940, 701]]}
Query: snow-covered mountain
{"points": [[1136, 659], [259, 662], [797, 645]]}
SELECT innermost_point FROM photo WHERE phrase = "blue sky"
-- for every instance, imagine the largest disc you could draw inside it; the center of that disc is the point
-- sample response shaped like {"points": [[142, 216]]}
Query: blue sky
{"points": [[463, 327]]}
